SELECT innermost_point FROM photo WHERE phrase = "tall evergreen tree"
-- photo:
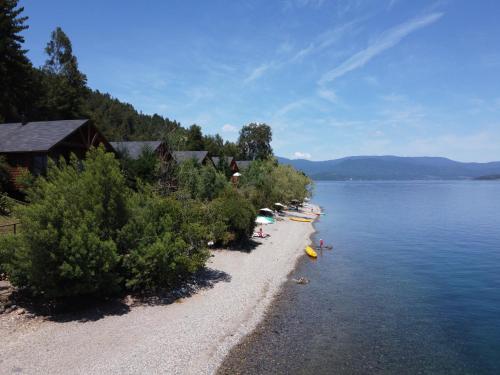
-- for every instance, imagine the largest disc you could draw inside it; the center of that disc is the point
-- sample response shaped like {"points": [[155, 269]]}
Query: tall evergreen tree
{"points": [[66, 86], [195, 139], [15, 68]]}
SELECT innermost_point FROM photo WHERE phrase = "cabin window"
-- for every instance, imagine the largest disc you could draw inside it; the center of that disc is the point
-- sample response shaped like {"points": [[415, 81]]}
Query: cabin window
{"points": [[39, 164]]}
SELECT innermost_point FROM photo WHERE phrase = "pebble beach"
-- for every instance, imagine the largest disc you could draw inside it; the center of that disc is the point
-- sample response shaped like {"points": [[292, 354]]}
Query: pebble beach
{"points": [[189, 336]]}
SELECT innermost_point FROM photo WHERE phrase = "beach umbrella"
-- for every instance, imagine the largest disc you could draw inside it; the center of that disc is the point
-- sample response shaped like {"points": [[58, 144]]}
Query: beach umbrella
{"points": [[237, 174], [266, 210], [262, 220], [279, 205]]}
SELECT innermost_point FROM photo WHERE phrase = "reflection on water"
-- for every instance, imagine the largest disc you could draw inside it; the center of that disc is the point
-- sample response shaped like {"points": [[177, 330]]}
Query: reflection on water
{"points": [[411, 286]]}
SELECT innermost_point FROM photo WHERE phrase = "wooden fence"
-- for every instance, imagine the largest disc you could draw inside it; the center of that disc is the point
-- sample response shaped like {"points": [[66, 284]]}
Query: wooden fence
{"points": [[9, 228]]}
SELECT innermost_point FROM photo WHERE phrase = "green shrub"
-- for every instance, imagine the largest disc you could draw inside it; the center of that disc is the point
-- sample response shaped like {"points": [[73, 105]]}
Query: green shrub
{"points": [[12, 250], [232, 217], [200, 181], [24, 180], [5, 182], [266, 182], [145, 168], [167, 241], [6, 204], [67, 246]]}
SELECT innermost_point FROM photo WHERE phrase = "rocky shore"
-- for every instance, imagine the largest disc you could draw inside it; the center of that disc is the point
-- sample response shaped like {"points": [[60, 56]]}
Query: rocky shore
{"points": [[189, 335]]}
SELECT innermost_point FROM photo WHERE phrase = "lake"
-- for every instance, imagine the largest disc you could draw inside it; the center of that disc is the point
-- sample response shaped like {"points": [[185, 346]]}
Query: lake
{"points": [[412, 286]]}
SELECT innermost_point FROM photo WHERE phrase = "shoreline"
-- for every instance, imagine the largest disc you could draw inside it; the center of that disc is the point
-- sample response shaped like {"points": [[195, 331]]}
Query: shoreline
{"points": [[191, 336], [265, 304]]}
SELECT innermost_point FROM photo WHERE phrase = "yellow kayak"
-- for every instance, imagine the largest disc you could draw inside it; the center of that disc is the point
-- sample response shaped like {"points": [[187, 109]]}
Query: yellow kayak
{"points": [[310, 251], [301, 219]]}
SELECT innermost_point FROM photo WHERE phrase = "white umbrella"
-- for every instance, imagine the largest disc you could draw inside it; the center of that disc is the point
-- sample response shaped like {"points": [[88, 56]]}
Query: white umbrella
{"points": [[237, 174], [266, 210], [279, 204], [262, 220]]}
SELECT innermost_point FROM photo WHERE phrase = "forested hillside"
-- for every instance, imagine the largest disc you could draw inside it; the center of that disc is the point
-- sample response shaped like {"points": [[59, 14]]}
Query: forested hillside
{"points": [[392, 168], [58, 90]]}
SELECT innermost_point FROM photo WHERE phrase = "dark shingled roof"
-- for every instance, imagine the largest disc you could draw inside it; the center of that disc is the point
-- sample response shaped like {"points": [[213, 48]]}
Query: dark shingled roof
{"points": [[243, 164], [134, 149], [35, 136], [216, 159], [180, 156]]}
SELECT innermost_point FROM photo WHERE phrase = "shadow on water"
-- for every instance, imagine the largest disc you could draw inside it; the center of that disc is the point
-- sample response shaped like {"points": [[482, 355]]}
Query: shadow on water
{"points": [[91, 309]]}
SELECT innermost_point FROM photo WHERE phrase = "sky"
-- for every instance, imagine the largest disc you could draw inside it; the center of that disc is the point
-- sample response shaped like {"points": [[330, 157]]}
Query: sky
{"points": [[332, 78]]}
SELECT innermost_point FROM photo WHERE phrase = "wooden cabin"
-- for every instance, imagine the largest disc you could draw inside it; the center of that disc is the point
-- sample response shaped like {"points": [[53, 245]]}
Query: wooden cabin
{"points": [[29, 145], [229, 160], [201, 157], [135, 148], [243, 164]]}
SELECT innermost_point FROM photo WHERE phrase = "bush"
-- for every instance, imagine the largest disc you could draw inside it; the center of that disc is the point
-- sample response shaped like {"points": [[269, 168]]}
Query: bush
{"points": [[267, 182], [200, 181], [5, 182], [10, 244], [232, 217], [145, 168], [6, 204], [67, 246], [167, 241]]}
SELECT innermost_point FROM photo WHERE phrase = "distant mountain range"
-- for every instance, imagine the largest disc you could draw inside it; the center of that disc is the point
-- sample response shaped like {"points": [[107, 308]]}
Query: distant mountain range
{"points": [[392, 168]]}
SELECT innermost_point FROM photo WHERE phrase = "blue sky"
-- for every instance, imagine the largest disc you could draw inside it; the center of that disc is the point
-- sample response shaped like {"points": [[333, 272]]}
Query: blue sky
{"points": [[332, 78]]}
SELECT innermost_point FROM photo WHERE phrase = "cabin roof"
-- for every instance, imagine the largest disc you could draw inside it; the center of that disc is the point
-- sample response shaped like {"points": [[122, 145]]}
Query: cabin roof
{"points": [[181, 156], [35, 136], [135, 148], [243, 164], [216, 159]]}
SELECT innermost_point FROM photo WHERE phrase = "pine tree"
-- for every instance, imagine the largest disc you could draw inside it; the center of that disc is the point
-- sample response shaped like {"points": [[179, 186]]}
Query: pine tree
{"points": [[15, 68], [195, 139], [65, 85]]}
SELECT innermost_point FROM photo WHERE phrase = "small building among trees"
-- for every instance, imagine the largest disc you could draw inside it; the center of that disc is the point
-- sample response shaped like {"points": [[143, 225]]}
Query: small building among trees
{"points": [[201, 157], [243, 164], [230, 161], [27, 146], [134, 149]]}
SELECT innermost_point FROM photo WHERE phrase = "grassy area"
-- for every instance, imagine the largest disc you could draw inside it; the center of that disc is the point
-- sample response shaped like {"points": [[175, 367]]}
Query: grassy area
{"points": [[6, 220]]}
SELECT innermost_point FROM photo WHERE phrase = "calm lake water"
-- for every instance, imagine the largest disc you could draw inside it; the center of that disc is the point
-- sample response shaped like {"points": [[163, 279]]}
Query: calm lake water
{"points": [[412, 286]]}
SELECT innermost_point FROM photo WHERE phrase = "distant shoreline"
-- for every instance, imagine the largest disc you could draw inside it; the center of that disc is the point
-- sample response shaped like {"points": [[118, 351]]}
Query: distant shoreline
{"points": [[481, 178]]}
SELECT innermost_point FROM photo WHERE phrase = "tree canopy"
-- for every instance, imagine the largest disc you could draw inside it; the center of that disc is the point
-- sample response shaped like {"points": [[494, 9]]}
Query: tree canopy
{"points": [[255, 141], [16, 74]]}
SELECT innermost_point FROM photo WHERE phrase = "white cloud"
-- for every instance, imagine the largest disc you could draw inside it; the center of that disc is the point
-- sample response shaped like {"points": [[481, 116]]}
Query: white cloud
{"points": [[292, 106], [387, 40], [319, 43], [258, 72], [328, 95], [301, 155], [228, 128], [325, 40]]}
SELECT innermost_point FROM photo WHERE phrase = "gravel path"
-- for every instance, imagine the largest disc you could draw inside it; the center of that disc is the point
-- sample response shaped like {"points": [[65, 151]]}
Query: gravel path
{"points": [[190, 337]]}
